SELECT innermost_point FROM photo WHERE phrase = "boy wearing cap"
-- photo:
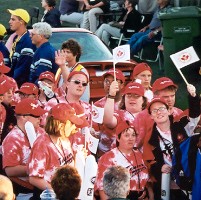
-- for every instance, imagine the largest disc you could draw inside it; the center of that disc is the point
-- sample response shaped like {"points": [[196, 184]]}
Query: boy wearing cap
{"points": [[3, 48], [22, 50], [28, 90], [166, 135], [142, 73], [165, 88], [124, 155], [16, 147], [53, 149], [44, 57], [106, 136]]}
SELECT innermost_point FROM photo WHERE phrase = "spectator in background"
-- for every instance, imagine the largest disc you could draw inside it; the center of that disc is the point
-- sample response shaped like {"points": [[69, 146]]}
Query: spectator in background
{"points": [[149, 33], [72, 52], [44, 57], [130, 19], [6, 189], [22, 50], [66, 183], [147, 9], [116, 182], [91, 9], [69, 12], [142, 73], [51, 13], [3, 48]]}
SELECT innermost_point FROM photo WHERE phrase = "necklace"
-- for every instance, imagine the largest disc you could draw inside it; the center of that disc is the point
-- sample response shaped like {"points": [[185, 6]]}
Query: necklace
{"points": [[132, 164], [63, 155]]}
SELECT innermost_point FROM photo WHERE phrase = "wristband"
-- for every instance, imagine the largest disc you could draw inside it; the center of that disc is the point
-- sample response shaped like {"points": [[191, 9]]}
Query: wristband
{"points": [[110, 96]]}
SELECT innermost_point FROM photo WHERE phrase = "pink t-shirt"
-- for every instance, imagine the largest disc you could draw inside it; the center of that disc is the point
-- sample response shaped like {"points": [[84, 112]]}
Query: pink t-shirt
{"points": [[133, 162], [45, 157]]}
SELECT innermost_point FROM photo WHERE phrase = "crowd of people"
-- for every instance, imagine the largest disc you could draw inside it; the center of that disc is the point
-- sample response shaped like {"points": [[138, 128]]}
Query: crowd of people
{"points": [[46, 115]]}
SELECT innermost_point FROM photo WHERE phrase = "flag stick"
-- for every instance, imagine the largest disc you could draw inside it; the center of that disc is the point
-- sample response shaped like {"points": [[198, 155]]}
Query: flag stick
{"points": [[182, 76], [114, 70]]}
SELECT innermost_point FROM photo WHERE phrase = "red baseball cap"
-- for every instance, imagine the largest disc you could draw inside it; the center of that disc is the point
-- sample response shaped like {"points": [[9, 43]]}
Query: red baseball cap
{"points": [[5, 85], [134, 88], [154, 100], [123, 125], [119, 74], [162, 83], [64, 112], [28, 88], [47, 75], [3, 68], [29, 106], [140, 68], [77, 72], [81, 114]]}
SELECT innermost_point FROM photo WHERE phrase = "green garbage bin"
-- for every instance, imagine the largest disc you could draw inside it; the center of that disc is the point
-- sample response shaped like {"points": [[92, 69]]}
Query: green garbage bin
{"points": [[181, 28]]}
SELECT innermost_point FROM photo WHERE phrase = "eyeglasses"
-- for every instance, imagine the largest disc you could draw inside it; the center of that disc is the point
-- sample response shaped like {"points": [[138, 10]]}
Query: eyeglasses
{"points": [[135, 96], [161, 109], [77, 82], [108, 82]]}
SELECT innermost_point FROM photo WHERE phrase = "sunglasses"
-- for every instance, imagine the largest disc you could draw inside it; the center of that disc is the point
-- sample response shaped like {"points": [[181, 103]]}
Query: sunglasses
{"points": [[77, 82]]}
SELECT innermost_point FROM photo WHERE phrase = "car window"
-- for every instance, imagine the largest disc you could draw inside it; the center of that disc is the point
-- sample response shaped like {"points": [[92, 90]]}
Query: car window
{"points": [[92, 47]]}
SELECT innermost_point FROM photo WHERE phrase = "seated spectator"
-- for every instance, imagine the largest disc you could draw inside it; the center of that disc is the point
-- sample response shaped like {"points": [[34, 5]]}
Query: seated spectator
{"points": [[91, 9], [124, 155], [66, 183], [69, 12], [51, 13], [150, 32], [142, 73], [130, 19], [3, 48], [147, 10], [16, 147], [6, 189], [44, 57], [116, 182]]}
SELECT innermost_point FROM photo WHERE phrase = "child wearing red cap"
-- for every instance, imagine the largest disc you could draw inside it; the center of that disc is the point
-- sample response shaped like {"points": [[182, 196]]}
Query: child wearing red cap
{"points": [[142, 72], [124, 155], [106, 136], [16, 146], [132, 103], [53, 149]]}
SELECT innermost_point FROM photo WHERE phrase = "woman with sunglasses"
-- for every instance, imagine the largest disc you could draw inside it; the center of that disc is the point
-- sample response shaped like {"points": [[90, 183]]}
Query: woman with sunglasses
{"points": [[126, 156]]}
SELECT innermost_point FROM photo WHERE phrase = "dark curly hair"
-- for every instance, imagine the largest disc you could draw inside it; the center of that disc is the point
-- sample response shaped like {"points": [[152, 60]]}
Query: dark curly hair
{"points": [[51, 3], [74, 47], [66, 183]]}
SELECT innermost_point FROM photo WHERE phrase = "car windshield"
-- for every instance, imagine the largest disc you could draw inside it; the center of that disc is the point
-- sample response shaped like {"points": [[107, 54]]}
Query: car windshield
{"points": [[92, 47]]}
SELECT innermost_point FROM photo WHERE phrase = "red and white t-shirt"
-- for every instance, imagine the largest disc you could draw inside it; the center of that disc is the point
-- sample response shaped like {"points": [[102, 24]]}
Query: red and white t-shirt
{"points": [[133, 162], [45, 157], [16, 149]]}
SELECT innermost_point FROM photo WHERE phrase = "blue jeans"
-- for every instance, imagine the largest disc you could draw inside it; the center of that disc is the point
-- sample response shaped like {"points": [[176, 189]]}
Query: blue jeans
{"points": [[139, 40]]}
